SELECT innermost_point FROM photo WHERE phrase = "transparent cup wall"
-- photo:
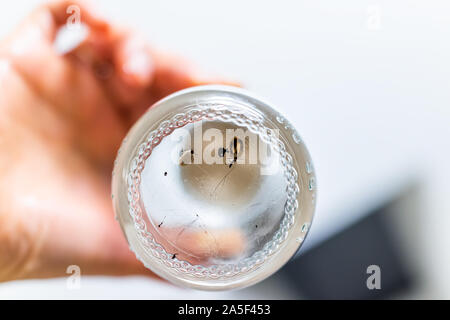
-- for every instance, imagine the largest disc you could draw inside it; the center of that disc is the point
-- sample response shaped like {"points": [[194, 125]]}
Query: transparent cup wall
{"points": [[213, 189]]}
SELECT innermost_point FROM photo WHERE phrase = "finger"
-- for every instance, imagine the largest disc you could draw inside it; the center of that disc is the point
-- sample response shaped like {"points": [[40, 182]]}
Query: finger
{"points": [[133, 72], [173, 73], [133, 61], [215, 243], [30, 47], [48, 18], [199, 246], [69, 12]]}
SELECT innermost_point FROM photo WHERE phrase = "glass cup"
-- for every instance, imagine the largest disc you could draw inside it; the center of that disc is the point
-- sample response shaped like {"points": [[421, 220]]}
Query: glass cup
{"points": [[213, 188]]}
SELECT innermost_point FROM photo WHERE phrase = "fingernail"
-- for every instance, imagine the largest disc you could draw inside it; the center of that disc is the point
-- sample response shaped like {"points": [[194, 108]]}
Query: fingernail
{"points": [[138, 63]]}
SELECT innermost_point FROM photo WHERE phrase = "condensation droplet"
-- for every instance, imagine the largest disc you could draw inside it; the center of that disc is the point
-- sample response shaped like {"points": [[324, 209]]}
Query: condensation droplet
{"points": [[297, 138], [280, 119], [309, 168], [305, 227], [312, 183], [299, 239]]}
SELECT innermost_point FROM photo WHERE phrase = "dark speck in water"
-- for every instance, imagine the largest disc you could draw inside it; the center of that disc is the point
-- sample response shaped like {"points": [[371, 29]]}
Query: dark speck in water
{"points": [[222, 152]]}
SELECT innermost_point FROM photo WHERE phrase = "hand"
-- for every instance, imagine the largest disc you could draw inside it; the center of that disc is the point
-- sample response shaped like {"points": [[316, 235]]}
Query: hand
{"points": [[62, 118]]}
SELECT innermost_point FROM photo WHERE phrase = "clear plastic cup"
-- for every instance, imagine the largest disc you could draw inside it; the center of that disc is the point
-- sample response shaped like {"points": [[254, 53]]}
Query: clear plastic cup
{"points": [[213, 188]]}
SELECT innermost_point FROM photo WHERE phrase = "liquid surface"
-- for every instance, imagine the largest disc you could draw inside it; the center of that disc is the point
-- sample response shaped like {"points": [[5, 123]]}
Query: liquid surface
{"points": [[209, 213]]}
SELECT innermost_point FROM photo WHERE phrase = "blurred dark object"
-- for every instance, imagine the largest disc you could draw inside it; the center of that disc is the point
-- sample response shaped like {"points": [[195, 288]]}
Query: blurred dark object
{"points": [[337, 268]]}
